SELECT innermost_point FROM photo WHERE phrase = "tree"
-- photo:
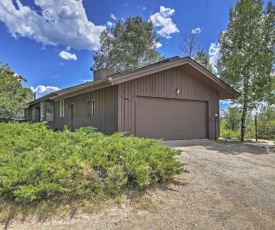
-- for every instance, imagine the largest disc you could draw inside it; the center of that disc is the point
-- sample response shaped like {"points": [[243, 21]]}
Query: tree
{"points": [[248, 54], [190, 45], [232, 117], [202, 58], [266, 122], [13, 96], [129, 45]]}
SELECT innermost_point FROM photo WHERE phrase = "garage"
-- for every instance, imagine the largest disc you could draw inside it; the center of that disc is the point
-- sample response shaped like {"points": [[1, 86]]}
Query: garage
{"points": [[171, 119]]}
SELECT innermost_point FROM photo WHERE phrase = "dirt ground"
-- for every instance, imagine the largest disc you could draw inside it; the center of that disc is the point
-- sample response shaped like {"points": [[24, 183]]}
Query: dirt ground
{"points": [[230, 186]]}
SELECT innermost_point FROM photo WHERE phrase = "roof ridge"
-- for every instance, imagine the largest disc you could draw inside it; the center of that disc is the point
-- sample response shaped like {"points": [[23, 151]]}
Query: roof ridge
{"points": [[144, 67]]}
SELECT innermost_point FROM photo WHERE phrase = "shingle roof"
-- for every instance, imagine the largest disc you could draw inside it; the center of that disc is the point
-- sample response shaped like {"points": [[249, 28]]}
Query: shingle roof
{"points": [[126, 76]]}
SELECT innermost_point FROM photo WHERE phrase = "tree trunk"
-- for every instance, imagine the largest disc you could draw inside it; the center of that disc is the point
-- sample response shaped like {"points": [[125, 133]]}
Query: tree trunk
{"points": [[245, 108]]}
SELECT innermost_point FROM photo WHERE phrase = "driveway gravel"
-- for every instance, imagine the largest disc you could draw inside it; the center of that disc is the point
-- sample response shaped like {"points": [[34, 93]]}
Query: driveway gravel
{"points": [[229, 186]]}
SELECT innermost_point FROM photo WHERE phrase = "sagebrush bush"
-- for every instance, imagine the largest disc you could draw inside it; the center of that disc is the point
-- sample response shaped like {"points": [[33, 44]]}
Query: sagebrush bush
{"points": [[37, 164]]}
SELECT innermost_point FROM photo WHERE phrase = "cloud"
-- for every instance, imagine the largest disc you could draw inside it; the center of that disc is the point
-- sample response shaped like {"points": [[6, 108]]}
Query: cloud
{"points": [[196, 31], [54, 22], [113, 17], [163, 20], [42, 90], [214, 54], [67, 56], [226, 102], [158, 45], [141, 7], [109, 24]]}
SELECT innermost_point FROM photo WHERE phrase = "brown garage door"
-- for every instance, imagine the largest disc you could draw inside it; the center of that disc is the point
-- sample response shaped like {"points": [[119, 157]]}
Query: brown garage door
{"points": [[171, 119]]}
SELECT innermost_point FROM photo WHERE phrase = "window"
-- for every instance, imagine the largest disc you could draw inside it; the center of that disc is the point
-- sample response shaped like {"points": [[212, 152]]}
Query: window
{"points": [[49, 110], [42, 111], [33, 113], [91, 107], [61, 108], [27, 113]]}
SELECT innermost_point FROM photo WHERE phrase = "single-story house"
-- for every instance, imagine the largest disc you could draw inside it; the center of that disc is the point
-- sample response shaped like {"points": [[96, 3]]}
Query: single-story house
{"points": [[172, 99]]}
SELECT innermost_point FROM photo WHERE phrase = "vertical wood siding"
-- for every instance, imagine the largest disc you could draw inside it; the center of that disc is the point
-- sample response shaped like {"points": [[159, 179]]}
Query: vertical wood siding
{"points": [[105, 117], [164, 85], [37, 113]]}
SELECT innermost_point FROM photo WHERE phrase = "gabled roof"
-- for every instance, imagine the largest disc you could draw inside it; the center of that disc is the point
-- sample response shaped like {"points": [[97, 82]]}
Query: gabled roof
{"points": [[187, 64]]}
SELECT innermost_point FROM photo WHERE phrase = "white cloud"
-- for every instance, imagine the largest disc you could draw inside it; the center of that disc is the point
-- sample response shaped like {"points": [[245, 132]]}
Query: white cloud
{"points": [[42, 90], [141, 7], [214, 54], [164, 21], [57, 22], [113, 17], [67, 56], [225, 102], [158, 45], [109, 24], [196, 31]]}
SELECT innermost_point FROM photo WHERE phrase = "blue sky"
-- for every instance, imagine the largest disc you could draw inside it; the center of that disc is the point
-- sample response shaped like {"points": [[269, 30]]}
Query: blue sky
{"points": [[51, 43]]}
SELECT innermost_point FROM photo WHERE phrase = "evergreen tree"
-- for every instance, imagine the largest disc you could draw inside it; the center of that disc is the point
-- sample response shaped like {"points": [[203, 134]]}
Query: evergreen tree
{"points": [[13, 96], [202, 58], [129, 45], [248, 54]]}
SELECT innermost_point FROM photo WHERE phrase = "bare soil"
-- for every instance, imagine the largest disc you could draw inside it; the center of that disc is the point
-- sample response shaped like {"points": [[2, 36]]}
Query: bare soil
{"points": [[229, 186]]}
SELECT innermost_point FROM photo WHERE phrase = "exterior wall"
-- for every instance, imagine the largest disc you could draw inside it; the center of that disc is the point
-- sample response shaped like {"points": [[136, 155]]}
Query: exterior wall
{"points": [[104, 119], [164, 85], [36, 108], [37, 117]]}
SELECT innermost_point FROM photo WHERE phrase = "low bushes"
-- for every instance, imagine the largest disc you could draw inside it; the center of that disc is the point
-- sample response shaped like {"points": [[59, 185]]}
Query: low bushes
{"points": [[230, 134], [37, 164]]}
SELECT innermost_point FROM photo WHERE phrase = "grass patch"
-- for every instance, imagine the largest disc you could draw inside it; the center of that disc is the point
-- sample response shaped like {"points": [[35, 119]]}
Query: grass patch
{"points": [[42, 169]]}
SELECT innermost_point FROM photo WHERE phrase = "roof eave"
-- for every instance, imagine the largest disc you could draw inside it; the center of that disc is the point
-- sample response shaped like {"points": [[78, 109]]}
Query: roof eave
{"points": [[91, 86], [229, 93], [40, 99], [145, 71]]}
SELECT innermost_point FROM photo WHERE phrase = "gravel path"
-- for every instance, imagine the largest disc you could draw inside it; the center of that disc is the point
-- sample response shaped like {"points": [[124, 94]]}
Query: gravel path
{"points": [[230, 186]]}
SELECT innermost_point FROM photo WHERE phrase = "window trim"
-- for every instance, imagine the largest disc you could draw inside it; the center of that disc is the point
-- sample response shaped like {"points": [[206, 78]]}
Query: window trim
{"points": [[91, 107], [62, 109], [47, 117]]}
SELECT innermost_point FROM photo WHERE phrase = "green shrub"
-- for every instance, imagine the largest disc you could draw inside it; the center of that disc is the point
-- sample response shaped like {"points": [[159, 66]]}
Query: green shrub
{"points": [[227, 133], [37, 164], [236, 134]]}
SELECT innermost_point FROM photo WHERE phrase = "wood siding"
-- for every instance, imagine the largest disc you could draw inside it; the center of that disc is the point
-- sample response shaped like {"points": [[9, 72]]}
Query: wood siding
{"points": [[36, 107], [164, 85], [104, 119]]}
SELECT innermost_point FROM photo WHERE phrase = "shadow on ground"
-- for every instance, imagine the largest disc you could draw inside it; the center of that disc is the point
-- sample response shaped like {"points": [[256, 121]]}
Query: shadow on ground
{"points": [[233, 148]]}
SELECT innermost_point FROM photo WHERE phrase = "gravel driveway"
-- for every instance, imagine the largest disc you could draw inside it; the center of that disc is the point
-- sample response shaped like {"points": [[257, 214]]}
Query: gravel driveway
{"points": [[230, 186]]}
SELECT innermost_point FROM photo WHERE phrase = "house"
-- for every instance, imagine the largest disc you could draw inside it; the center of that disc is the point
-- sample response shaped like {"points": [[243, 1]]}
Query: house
{"points": [[173, 99]]}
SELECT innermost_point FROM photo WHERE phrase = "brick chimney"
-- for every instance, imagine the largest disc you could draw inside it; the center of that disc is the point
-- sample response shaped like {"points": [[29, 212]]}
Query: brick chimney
{"points": [[102, 73]]}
